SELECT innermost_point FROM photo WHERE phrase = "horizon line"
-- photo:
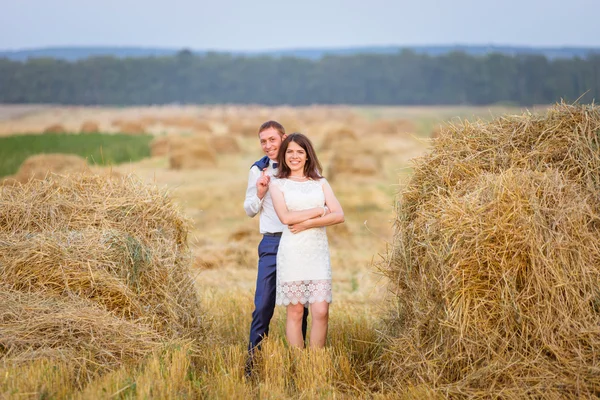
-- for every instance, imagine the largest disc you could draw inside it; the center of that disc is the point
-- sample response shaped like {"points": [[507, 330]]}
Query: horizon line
{"points": [[300, 48]]}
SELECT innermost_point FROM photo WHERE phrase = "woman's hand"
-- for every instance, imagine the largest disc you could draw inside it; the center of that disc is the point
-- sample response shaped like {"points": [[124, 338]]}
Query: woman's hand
{"points": [[299, 227]]}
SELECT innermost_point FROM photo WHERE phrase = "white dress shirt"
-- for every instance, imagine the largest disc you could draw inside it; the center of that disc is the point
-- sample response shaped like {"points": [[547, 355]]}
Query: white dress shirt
{"points": [[269, 221]]}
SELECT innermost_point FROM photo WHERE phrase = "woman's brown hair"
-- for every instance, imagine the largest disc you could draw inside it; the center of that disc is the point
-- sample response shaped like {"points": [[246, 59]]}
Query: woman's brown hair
{"points": [[312, 167]]}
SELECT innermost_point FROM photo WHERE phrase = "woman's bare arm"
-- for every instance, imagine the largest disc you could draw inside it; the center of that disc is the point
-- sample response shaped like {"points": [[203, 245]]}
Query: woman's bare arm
{"points": [[290, 217], [335, 216]]}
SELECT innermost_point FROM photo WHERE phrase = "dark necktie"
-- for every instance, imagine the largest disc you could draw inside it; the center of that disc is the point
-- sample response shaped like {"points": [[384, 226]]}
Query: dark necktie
{"points": [[275, 165]]}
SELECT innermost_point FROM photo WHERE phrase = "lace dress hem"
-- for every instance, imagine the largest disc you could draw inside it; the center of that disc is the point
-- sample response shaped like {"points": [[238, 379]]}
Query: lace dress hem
{"points": [[304, 292]]}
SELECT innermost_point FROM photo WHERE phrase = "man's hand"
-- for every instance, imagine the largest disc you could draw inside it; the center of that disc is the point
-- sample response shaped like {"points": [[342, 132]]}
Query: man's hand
{"points": [[262, 184]]}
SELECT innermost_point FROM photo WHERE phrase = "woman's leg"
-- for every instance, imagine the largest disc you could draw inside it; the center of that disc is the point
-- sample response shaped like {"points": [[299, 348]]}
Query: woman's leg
{"points": [[293, 325], [320, 320]]}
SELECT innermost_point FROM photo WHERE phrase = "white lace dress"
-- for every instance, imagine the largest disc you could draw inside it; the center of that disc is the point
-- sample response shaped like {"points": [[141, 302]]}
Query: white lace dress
{"points": [[303, 264]]}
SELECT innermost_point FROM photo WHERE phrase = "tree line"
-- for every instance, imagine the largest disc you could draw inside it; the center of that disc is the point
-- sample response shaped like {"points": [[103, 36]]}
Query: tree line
{"points": [[404, 78]]}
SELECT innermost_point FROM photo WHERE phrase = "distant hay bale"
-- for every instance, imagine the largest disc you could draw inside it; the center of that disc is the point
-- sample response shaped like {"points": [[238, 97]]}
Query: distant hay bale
{"points": [[159, 146], [89, 127], [350, 158], [225, 144], [93, 270], [130, 127], [354, 164], [391, 127], [242, 128], [191, 153], [55, 128], [188, 122], [335, 136], [496, 260], [8, 181], [39, 165], [436, 131]]}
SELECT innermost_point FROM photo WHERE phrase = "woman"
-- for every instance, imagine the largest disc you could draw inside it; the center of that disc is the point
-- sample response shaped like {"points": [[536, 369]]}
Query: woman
{"points": [[303, 263]]}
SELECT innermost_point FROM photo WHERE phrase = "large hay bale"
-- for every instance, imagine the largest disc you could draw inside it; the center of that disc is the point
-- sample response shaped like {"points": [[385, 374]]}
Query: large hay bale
{"points": [[191, 153], [39, 165], [496, 259], [93, 270], [225, 144]]}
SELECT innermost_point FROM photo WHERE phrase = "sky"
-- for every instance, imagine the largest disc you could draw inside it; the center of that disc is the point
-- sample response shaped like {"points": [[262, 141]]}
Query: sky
{"points": [[269, 25]]}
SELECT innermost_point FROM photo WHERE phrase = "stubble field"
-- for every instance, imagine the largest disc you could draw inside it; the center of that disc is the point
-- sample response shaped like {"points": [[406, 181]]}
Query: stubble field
{"points": [[366, 153]]}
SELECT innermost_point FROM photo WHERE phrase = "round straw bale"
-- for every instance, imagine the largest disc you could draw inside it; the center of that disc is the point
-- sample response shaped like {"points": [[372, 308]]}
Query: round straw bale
{"points": [[8, 181], [350, 158], [191, 123], [55, 128], [225, 144], [191, 153], [335, 136], [241, 128], [89, 127], [159, 146], [391, 127], [496, 259], [105, 255], [130, 127], [39, 165]]}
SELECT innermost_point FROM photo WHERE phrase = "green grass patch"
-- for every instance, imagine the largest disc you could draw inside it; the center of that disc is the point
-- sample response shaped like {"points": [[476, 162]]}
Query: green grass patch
{"points": [[97, 148]]}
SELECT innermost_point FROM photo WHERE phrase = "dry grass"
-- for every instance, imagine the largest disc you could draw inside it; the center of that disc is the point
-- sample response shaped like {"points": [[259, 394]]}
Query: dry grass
{"points": [[94, 273], [496, 260]]}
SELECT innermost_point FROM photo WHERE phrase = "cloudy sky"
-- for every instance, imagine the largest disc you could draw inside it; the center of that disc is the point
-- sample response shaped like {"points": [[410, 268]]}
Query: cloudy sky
{"points": [[281, 24]]}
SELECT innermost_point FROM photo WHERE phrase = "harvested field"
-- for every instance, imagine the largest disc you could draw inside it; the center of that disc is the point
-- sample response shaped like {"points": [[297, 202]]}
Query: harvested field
{"points": [[140, 357]]}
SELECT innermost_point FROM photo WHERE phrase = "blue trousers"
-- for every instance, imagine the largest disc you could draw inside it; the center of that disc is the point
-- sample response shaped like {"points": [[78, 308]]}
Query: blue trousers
{"points": [[264, 297]]}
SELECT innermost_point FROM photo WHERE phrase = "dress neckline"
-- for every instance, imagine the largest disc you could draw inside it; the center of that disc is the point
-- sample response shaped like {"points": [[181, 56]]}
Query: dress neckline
{"points": [[307, 180]]}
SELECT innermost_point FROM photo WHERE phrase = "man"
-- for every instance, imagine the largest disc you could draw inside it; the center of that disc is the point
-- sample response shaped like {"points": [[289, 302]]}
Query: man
{"points": [[258, 200]]}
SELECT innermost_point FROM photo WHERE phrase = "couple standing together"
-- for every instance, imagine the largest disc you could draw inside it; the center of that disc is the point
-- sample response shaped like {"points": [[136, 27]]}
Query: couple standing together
{"points": [[295, 204]]}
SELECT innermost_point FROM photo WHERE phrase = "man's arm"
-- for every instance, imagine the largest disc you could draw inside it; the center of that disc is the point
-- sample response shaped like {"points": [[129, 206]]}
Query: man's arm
{"points": [[252, 204]]}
